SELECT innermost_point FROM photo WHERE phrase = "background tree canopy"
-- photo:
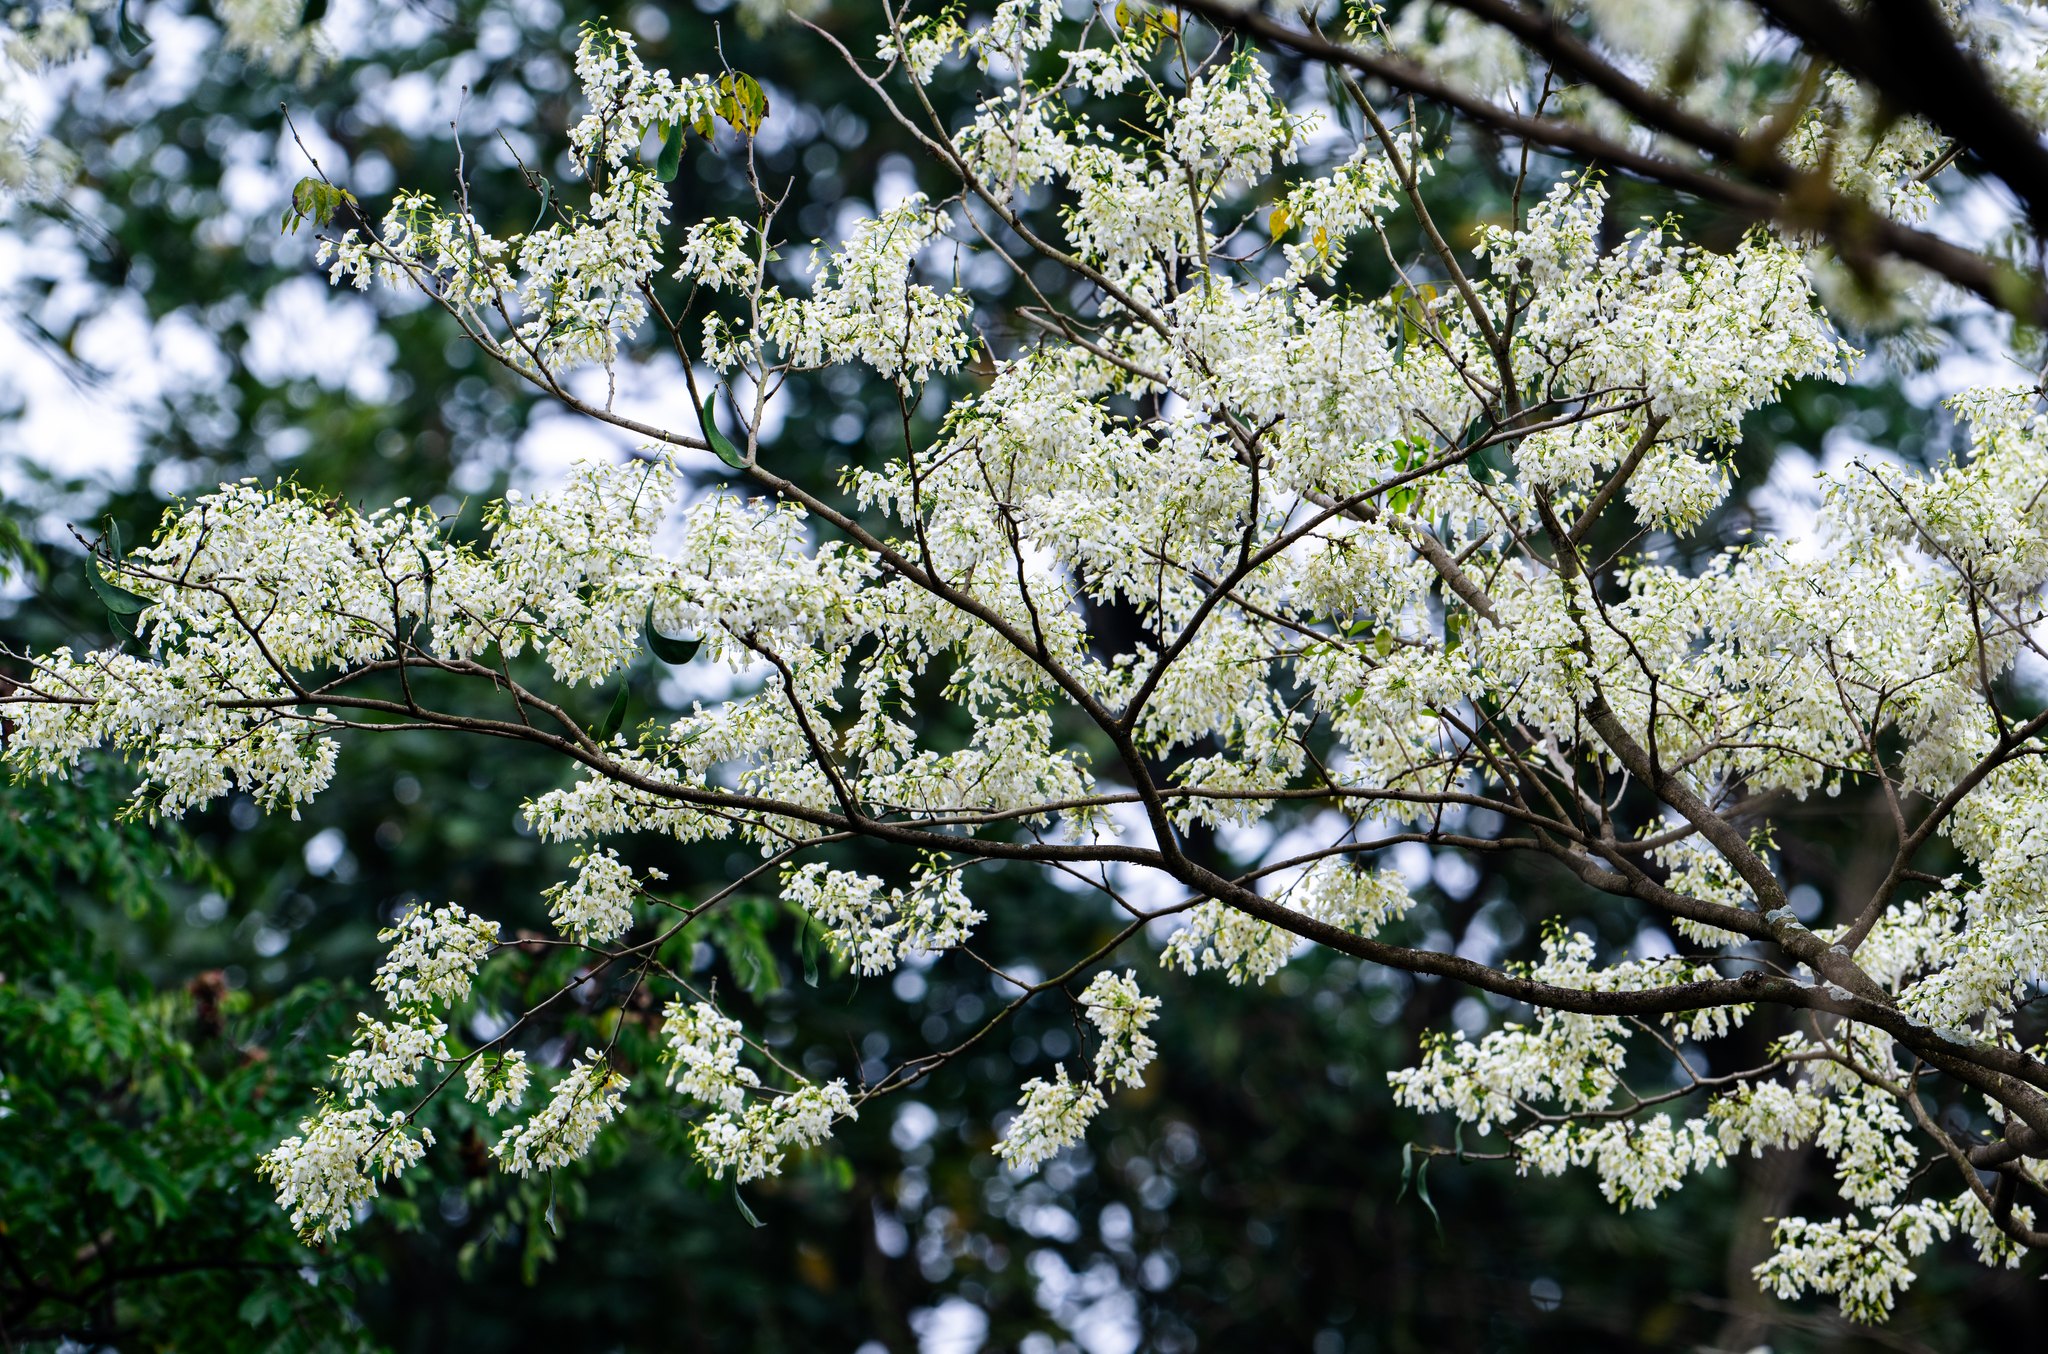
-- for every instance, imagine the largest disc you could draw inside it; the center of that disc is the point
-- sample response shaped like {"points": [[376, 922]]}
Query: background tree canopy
{"points": [[172, 999]]}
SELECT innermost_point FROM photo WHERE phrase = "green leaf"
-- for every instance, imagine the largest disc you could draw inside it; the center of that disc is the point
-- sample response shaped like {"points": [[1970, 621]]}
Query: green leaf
{"points": [[1422, 1193], [667, 648], [753, 964], [746, 1212], [1422, 1182], [721, 445], [742, 102], [615, 718], [314, 200], [134, 38], [670, 160], [1490, 463], [547, 198], [810, 953], [261, 1308], [1421, 1179], [120, 601], [549, 1216], [17, 549]]}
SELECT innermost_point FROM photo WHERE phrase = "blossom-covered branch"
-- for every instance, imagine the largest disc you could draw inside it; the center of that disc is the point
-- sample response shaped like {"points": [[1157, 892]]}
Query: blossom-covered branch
{"points": [[1209, 539]]}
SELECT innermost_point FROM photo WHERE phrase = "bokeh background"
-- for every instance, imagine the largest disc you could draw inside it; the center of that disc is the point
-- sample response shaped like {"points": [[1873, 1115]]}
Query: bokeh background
{"points": [[168, 995]]}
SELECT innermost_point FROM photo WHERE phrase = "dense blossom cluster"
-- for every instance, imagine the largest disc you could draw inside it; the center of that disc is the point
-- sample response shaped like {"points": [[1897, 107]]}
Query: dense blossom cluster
{"points": [[703, 1052], [1052, 1115], [587, 1098], [325, 1172], [1347, 542], [1120, 1014]]}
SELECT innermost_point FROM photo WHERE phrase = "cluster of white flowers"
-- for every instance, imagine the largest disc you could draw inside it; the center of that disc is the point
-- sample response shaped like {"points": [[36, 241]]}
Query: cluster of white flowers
{"points": [[1250, 950], [1017, 29], [718, 254], [866, 305], [340, 1152], [1638, 1161], [575, 283], [702, 1047], [596, 906], [388, 1056], [1864, 1266], [872, 930], [1568, 1060], [497, 1082], [587, 1098], [1120, 1014], [1053, 1116], [752, 1142], [434, 956], [703, 1053], [332, 1165], [1553, 1085]]}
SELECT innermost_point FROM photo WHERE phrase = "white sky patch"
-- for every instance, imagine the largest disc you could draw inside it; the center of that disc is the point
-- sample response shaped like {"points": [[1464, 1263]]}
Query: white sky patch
{"points": [[308, 330], [955, 1326], [652, 393]]}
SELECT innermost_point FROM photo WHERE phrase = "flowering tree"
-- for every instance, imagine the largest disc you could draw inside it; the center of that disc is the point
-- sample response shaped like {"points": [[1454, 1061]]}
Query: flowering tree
{"points": [[1204, 540]]}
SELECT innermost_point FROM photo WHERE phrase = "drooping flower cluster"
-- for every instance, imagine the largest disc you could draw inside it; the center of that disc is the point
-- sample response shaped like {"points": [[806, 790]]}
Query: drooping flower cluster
{"points": [[1248, 949], [340, 1152], [596, 906], [871, 929], [332, 1165], [702, 1048], [703, 1052], [562, 1130], [1053, 1115], [1120, 1014], [497, 1082], [434, 957]]}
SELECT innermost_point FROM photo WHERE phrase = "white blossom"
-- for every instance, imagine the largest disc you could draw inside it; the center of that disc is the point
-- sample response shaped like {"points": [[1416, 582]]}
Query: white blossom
{"points": [[597, 906], [496, 1082], [702, 1048], [751, 1143], [434, 956], [334, 1162], [1120, 1014], [1053, 1116], [388, 1055], [561, 1131]]}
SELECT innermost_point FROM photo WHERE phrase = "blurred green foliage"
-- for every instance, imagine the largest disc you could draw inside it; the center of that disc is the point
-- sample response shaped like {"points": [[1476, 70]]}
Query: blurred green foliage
{"points": [[132, 1098]]}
